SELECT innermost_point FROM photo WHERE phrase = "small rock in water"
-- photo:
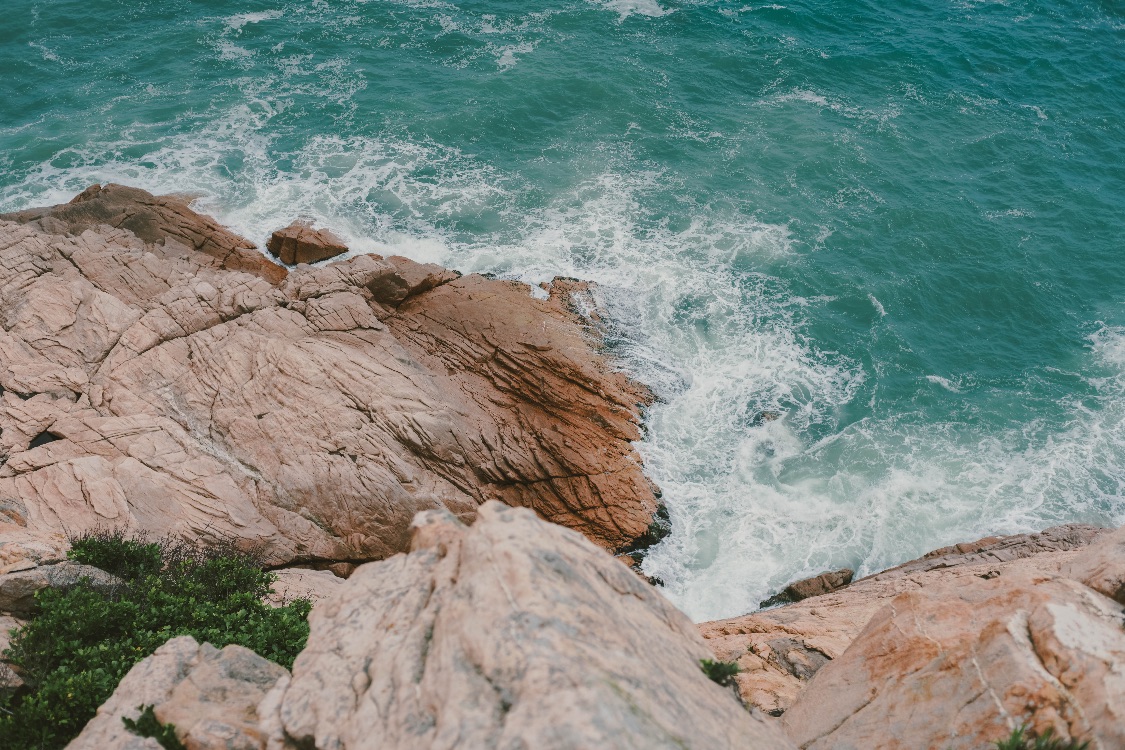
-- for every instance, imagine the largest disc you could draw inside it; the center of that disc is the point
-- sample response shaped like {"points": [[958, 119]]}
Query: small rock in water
{"points": [[300, 243]]}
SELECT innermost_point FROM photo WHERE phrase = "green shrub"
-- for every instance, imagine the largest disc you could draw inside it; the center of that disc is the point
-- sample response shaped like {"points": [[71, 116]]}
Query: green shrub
{"points": [[1023, 739], [147, 725], [720, 672], [82, 642]]}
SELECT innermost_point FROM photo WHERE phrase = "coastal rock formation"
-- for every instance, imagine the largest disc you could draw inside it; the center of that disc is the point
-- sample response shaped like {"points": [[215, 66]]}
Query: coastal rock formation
{"points": [[1102, 566], [961, 663], [508, 633], [18, 588], [779, 650], [301, 583], [159, 374], [300, 243], [211, 696]]}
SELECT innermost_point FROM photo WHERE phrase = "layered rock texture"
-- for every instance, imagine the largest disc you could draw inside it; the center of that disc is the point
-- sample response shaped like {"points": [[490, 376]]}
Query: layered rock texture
{"points": [[781, 649], [158, 373], [512, 633]]}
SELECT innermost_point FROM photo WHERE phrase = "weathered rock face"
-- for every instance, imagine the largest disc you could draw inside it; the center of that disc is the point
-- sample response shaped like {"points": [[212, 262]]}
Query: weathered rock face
{"points": [[1101, 566], [18, 588], [210, 695], [152, 219], [300, 583], [510, 633], [961, 663], [163, 376], [779, 650], [300, 243]]}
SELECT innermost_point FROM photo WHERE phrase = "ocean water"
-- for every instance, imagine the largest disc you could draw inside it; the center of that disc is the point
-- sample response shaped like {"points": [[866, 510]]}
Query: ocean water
{"points": [[868, 255]]}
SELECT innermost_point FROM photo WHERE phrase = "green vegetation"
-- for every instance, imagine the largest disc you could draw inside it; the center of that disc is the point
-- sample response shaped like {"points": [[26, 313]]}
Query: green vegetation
{"points": [[1023, 739], [720, 672], [147, 725], [82, 642]]}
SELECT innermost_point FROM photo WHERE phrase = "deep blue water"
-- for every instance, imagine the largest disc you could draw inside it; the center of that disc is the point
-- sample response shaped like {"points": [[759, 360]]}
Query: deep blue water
{"points": [[896, 225]]}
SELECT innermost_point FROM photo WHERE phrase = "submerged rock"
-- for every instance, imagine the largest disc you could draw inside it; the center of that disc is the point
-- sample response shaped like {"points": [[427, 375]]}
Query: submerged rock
{"points": [[508, 633], [191, 386]]}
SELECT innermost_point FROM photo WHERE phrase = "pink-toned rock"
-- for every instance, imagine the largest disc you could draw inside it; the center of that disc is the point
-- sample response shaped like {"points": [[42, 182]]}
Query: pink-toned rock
{"points": [[147, 385], [300, 243], [960, 664], [512, 633], [1101, 566], [152, 219], [211, 696], [302, 583], [779, 650]]}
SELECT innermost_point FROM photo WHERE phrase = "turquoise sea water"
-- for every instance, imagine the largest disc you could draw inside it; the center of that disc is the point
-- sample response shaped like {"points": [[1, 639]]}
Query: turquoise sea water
{"points": [[899, 226]]}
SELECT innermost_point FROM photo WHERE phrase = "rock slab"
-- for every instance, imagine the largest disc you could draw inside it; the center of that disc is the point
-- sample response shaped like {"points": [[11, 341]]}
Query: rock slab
{"points": [[781, 649], [300, 243], [210, 695], [512, 633], [157, 373], [959, 665]]}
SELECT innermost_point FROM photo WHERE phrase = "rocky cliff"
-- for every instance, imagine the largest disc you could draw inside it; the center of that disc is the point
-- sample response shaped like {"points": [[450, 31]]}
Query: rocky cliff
{"points": [[953, 650], [511, 633], [160, 374]]}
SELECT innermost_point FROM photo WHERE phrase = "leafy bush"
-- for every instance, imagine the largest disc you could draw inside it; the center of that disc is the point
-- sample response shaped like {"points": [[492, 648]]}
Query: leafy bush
{"points": [[1023, 739], [82, 642], [147, 725], [720, 672]]}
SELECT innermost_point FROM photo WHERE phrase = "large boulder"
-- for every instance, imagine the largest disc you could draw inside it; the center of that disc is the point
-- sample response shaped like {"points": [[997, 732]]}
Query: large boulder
{"points": [[958, 665], [211, 696], [300, 243], [779, 650], [18, 588], [512, 633], [153, 377]]}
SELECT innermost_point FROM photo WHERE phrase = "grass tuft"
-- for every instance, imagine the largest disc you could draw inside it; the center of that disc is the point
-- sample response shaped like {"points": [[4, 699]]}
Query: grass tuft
{"points": [[82, 641]]}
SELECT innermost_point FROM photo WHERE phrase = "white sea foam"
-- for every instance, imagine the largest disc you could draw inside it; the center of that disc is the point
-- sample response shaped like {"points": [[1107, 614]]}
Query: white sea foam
{"points": [[236, 22], [877, 305], [764, 479], [626, 8]]}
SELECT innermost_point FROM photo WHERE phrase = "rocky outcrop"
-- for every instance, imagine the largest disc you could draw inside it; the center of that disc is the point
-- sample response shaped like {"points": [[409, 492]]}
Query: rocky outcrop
{"points": [[300, 243], [301, 583], [211, 696], [960, 664], [158, 374], [1102, 566], [18, 588], [510, 633], [155, 220], [779, 650]]}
